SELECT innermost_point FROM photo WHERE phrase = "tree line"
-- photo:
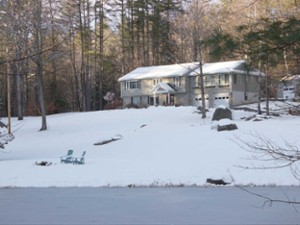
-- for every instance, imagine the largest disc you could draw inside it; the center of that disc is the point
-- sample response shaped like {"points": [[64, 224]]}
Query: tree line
{"points": [[59, 55]]}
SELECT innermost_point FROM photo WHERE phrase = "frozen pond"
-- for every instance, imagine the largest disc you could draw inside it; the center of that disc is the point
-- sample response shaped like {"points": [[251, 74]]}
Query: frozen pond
{"points": [[213, 205]]}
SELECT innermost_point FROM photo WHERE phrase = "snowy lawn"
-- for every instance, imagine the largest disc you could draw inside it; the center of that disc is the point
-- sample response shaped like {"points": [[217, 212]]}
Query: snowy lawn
{"points": [[159, 146]]}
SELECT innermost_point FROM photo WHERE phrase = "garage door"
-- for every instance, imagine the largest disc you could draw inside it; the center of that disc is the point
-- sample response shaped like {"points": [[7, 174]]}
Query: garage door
{"points": [[198, 101], [221, 99], [289, 92]]}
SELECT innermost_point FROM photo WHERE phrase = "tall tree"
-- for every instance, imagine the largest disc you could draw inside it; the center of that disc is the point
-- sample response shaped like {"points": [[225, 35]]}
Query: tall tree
{"points": [[100, 15], [198, 13], [38, 36]]}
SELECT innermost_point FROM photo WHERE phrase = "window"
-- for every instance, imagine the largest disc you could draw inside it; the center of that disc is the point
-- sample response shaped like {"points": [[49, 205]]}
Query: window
{"points": [[135, 100], [132, 85], [151, 100], [234, 78], [197, 81], [226, 78], [210, 80], [206, 80], [223, 79], [156, 81], [177, 81]]}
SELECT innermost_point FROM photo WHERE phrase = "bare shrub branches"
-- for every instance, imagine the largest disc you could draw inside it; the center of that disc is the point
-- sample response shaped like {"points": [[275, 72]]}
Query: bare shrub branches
{"points": [[268, 201], [272, 155]]}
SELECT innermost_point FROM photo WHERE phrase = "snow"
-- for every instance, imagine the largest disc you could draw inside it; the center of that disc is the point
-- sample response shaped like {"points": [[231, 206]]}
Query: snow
{"points": [[159, 71], [156, 146], [191, 69]]}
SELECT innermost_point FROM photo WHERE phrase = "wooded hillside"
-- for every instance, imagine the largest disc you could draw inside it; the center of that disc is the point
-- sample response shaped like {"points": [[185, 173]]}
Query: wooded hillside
{"points": [[61, 55]]}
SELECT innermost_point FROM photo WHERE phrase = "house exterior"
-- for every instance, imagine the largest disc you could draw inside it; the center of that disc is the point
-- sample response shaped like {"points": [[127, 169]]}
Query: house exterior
{"points": [[226, 83], [289, 87]]}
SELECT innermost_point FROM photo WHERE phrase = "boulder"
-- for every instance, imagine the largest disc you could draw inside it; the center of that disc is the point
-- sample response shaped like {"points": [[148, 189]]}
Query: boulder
{"points": [[222, 112], [216, 182], [227, 127]]}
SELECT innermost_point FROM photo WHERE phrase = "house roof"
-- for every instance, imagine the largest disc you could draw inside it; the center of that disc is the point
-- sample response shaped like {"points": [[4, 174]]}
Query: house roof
{"points": [[159, 71], [162, 88], [290, 77], [191, 69], [239, 67]]}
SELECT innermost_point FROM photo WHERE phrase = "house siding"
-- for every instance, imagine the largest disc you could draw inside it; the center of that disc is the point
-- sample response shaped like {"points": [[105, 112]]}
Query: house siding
{"points": [[244, 90], [229, 88]]}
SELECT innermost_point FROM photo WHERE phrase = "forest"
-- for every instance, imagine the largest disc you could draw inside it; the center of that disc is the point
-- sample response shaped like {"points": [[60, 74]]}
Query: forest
{"points": [[62, 56]]}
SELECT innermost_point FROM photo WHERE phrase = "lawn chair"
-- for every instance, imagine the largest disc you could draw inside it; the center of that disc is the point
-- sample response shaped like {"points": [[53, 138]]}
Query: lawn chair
{"points": [[79, 160], [67, 158]]}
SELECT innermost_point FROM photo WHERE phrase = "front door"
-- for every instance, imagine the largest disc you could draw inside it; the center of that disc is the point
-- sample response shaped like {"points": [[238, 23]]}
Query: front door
{"points": [[170, 99]]}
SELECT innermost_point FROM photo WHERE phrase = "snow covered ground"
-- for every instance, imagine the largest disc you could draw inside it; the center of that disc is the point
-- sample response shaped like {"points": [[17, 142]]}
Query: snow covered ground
{"points": [[159, 146]]}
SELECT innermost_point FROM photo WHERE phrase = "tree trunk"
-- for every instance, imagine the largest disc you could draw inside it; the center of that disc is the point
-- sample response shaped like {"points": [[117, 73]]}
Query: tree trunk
{"points": [[267, 90], [39, 63], [82, 69], [87, 88], [197, 15], [101, 54], [203, 109]]}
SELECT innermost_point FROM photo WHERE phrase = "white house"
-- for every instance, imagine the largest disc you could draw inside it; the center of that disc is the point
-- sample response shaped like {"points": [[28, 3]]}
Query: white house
{"points": [[229, 83]]}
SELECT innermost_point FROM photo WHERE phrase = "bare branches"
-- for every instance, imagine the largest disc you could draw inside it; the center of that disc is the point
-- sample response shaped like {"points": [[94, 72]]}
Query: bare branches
{"points": [[270, 201], [272, 155]]}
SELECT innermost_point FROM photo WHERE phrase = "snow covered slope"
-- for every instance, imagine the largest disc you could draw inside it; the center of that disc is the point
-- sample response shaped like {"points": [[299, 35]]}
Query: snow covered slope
{"points": [[158, 146]]}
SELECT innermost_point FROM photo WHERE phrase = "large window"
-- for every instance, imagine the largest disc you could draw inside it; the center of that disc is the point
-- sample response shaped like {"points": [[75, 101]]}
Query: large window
{"points": [[210, 80], [135, 100], [177, 81], [223, 79], [132, 85]]}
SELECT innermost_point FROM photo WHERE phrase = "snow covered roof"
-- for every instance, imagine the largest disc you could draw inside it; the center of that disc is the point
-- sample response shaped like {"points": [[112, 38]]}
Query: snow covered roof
{"points": [[227, 67], [191, 69], [290, 77], [160, 71], [162, 88]]}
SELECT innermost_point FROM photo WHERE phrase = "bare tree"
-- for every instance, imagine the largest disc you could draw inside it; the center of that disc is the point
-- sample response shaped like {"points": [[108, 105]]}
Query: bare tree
{"points": [[197, 11], [270, 155], [38, 44]]}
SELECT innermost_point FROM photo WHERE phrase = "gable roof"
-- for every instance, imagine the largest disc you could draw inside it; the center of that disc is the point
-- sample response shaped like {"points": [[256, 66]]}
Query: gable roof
{"points": [[160, 71], [239, 67], [191, 69], [162, 88]]}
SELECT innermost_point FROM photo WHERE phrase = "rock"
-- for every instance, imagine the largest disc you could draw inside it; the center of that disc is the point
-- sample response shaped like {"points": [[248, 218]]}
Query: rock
{"points": [[250, 118], [3, 125], [216, 182], [227, 127], [222, 113], [43, 163], [109, 140]]}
